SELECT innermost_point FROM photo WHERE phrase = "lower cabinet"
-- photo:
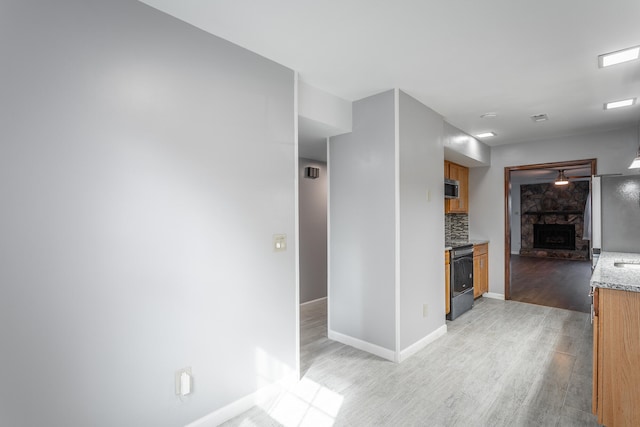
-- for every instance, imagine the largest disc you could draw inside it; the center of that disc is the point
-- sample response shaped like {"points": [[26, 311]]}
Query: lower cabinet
{"points": [[616, 357], [447, 282], [480, 269]]}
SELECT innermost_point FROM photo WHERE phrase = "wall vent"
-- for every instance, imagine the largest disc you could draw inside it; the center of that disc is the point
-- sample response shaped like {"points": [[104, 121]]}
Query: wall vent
{"points": [[311, 172], [540, 118]]}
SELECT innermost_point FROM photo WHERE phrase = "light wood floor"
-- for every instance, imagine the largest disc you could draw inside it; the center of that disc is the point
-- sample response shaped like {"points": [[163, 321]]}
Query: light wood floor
{"points": [[551, 282], [503, 363]]}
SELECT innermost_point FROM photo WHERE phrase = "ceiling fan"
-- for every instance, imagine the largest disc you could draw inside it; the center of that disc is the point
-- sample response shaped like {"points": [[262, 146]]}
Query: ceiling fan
{"points": [[563, 179]]}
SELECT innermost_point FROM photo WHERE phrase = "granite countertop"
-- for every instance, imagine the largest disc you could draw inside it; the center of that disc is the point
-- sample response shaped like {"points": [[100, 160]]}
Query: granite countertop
{"points": [[607, 275], [449, 245]]}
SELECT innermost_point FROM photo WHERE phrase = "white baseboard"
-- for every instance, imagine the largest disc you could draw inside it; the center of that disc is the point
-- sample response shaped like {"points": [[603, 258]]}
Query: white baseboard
{"points": [[493, 295], [243, 404], [385, 353], [419, 345], [312, 301]]}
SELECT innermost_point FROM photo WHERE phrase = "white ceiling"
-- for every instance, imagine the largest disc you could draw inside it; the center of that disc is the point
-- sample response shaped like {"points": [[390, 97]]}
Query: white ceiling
{"points": [[462, 58]]}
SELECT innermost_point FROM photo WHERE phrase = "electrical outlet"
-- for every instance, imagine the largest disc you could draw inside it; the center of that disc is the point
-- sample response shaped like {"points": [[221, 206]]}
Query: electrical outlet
{"points": [[184, 381], [279, 242], [424, 310]]}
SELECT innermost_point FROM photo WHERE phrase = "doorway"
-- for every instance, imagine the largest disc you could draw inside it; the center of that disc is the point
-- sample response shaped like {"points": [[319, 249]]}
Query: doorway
{"points": [[539, 274], [312, 207]]}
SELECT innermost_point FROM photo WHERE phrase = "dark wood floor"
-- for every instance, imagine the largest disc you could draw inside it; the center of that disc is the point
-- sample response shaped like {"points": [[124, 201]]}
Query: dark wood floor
{"points": [[551, 282]]}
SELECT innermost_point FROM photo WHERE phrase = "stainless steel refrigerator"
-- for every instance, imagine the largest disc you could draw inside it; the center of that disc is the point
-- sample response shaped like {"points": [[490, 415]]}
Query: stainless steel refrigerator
{"points": [[616, 213]]}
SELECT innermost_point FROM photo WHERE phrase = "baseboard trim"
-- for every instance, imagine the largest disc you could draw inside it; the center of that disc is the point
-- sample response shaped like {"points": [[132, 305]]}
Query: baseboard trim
{"points": [[385, 353], [493, 295], [243, 404], [313, 300], [422, 343]]}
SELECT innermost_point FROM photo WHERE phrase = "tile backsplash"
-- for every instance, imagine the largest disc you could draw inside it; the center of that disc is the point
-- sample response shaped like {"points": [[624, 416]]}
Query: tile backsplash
{"points": [[456, 227]]}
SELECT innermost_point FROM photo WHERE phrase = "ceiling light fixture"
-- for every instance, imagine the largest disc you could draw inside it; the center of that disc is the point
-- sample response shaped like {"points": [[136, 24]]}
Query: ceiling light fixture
{"points": [[635, 164], [618, 57], [617, 104], [561, 179], [489, 116], [486, 135]]}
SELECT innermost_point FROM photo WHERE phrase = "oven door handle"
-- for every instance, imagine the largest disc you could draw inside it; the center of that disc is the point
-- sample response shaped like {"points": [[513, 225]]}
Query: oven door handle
{"points": [[457, 253]]}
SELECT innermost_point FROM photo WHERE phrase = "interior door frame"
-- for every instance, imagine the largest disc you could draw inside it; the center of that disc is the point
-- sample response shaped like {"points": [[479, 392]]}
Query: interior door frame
{"points": [[507, 208]]}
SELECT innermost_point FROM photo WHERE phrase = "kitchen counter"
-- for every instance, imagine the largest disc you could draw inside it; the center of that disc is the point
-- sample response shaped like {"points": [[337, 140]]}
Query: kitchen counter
{"points": [[608, 275], [449, 245]]}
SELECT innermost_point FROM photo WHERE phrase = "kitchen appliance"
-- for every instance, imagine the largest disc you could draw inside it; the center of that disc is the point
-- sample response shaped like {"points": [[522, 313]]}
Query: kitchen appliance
{"points": [[451, 189], [620, 211], [461, 289]]}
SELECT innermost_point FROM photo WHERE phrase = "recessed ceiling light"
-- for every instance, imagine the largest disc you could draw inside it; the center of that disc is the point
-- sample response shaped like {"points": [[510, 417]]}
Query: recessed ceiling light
{"points": [[489, 116], [486, 135], [619, 56], [618, 104], [540, 118]]}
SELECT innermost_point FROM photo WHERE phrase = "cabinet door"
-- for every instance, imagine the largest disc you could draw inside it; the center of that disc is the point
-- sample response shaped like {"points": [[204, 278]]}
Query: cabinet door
{"points": [[596, 338], [461, 204], [480, 269], [484, 273], [477, 291], [618, 358]]}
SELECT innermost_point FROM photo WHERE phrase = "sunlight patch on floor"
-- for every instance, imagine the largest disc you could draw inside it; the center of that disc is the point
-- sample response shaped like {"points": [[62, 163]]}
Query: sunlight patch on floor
{"points": [[306, 404]]}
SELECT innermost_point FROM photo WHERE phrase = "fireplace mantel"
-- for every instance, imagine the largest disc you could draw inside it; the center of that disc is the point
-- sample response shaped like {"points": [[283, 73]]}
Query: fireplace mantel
{"points": [[554, 213], [548, 213]]}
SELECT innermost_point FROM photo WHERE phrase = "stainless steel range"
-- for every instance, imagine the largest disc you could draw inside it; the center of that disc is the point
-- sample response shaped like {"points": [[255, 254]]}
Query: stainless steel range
{"points": [[461, 280]]}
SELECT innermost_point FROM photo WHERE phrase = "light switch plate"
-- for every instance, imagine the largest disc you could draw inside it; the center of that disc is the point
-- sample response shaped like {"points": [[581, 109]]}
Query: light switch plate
{"points": [[184, 381], [279, 242]]}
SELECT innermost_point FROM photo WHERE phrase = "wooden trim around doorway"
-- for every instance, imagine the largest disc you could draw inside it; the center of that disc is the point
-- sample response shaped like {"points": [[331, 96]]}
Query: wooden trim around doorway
{"points": [[507, 208]]}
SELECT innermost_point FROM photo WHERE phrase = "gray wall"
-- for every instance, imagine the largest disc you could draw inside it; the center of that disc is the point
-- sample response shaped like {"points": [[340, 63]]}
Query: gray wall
{"points": [[312, 204], [362, 224], [613, 149], [421, 161], [135, 231]]}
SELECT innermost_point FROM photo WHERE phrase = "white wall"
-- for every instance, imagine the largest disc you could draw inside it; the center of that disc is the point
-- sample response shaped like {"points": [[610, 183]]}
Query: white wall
{"points": [[421, 253], [312, 204], [136, 231], [613, 150], [362, 225], [464, 149], [323, 107]]}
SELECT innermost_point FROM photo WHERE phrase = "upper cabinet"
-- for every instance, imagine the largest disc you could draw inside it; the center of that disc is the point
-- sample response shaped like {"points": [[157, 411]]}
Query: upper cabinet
{"points": [[460, 174]]}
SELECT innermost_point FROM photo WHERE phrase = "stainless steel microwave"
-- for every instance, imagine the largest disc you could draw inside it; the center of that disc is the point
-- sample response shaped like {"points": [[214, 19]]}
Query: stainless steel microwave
{"points": [[451, 189]]}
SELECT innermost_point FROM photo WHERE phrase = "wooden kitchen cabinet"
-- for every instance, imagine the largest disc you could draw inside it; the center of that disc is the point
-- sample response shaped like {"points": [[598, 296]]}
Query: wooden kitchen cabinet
{"points": [[616, 357], [447, 282], [460, 174], [480, 269]]}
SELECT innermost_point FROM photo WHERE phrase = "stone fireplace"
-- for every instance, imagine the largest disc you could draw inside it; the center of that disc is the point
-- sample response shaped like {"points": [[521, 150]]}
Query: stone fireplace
{"points": [[554, 236], [552, 220]]}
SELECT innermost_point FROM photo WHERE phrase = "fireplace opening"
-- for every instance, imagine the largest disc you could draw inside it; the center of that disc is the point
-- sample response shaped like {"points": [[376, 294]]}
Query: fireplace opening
{"points": [[554, 236]]}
